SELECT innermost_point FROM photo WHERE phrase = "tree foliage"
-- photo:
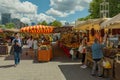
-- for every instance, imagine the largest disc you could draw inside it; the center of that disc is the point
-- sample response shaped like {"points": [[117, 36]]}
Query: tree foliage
{"points": [[43, 23], [114, 7], [94, 9], [10, 25], [1, 26], [56, 23], [85, 18]]}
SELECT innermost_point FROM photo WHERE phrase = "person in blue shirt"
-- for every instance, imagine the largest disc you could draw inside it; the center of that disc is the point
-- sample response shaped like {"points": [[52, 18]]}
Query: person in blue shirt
{"points": [[97, 55]]}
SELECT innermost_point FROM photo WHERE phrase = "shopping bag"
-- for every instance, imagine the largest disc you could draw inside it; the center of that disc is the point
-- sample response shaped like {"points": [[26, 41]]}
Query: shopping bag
{"points": [[107, 64], [71, 52]]}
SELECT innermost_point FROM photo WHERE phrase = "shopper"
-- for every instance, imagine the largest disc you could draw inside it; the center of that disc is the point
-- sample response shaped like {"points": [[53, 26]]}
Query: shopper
{"points": [[30, 42], [82, 50], [17, 48], [35, 47], [97, 55]]}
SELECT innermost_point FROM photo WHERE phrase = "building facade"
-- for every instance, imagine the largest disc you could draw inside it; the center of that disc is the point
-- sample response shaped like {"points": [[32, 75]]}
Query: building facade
{"points": [[5, 18]]}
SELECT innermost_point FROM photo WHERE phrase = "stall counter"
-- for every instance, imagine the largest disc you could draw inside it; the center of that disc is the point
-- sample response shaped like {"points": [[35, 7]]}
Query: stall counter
{"points": [[45, 55], [3, 49]]}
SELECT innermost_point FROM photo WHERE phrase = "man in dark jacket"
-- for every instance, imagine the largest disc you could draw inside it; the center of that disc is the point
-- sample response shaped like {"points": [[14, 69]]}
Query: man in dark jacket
{"points": [[17, 48]]}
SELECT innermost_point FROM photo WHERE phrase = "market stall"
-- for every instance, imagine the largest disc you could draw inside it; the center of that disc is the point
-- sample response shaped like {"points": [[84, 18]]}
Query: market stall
{"points": [[42, 33], [112, 27], [91, 27], [69, 39], [112, 24], [3, 43], [110, 56]]}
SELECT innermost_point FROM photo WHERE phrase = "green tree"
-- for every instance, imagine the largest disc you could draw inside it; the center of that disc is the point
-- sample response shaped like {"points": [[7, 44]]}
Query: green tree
{"points": [[56, 23], [114, 7], [10, 25], [43, 23], [85, 18], [39, 23], [94, 9], [1, 26]]}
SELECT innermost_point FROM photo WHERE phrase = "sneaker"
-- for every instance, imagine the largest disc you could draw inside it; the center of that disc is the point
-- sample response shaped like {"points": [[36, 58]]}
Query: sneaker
{"points": [[83, 66]]}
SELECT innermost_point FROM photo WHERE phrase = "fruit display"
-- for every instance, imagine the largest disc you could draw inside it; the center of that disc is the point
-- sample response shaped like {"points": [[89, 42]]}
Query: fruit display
{"points": [[62, 29], [70, 40], [73, 45], [66, 38]]}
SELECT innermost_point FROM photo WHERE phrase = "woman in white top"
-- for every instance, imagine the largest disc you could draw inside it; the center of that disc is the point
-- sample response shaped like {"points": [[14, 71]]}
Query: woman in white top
{"points": [[30, 42], [82, 50]]}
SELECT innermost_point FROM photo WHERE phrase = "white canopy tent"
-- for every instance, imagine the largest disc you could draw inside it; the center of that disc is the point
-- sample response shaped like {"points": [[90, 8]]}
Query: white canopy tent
{"points": [[89, 24], [111, 21]]}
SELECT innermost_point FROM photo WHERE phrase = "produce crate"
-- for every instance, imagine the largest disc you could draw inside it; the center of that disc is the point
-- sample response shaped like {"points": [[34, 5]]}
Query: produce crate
{"points": [[45, 55]]}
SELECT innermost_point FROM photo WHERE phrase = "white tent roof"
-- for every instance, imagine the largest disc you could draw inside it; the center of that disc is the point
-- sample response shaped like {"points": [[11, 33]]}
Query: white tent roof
{"points": [[90, 21], [110, 21], [105, 23]]}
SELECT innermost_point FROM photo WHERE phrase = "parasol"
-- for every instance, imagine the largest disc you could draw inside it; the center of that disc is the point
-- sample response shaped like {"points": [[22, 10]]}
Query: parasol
{"points": [[37, 29]]}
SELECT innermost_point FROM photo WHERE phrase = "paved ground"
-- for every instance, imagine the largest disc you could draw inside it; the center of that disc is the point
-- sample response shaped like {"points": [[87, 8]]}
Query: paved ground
{"points": [[59, 68]]}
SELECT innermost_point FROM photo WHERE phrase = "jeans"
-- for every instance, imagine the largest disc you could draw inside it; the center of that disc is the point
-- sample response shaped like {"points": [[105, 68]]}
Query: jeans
{"points": [[17, 57], [96, 66], [35, 53], [83, 57]]}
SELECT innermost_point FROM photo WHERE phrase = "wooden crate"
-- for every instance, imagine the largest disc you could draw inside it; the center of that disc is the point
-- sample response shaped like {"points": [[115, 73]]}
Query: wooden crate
{"points": [[44, 55]]}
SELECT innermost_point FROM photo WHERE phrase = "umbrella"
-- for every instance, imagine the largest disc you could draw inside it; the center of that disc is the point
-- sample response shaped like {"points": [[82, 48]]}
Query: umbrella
{"points": [[37, 29]]}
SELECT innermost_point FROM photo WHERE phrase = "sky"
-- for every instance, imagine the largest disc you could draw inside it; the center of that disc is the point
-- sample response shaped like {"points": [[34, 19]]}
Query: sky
{"points": [[49, 10]]}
